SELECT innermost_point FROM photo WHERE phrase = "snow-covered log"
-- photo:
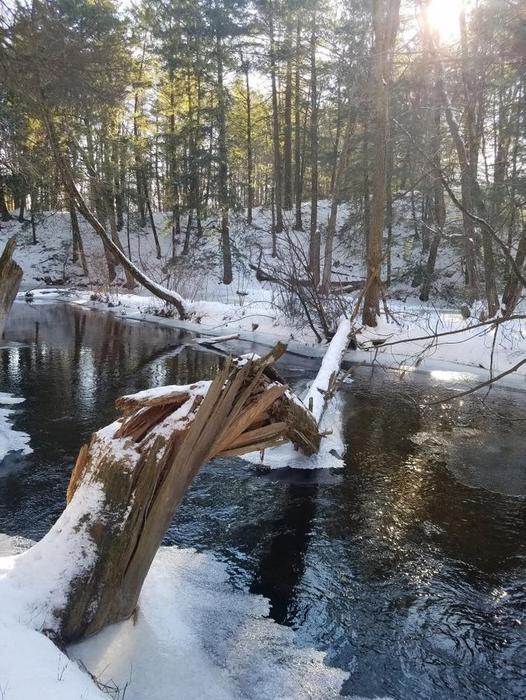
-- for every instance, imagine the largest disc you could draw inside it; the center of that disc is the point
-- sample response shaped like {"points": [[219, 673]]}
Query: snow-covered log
{"points": [[10, 278], [128, 481], [322, 388], [326, 410]]}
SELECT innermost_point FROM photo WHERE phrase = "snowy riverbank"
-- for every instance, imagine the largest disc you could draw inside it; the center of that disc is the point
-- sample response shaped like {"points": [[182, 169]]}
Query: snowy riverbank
{"points": [[193, 637], [471, 354], [258, 311]]}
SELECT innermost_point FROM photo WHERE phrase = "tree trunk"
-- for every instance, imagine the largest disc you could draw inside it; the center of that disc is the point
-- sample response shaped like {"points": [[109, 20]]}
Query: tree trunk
{"points": [[250, 166], [314, 237], [287, 116], [472, 119], [153, 226], [278, 186], [139, 174], [118, 182], [385, 20], [513, 289], [389, 201], [339, 181], [4, 211], [10, 278], [22, 209], [105, 191], [129, 480], [223, 165], [78, 246], [298, 174], [437, 214], [33, 222], [439, 207], [174, 189]]}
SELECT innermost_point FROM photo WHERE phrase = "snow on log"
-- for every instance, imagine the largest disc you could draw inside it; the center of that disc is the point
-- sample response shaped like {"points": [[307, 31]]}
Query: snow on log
{"points": [[326, 409], [10, 278], [210, 341], [128, 481], [323, 386]]}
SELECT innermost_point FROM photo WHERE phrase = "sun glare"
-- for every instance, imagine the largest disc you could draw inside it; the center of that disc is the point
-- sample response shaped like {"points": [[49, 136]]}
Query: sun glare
{"points": [[443, 17]]}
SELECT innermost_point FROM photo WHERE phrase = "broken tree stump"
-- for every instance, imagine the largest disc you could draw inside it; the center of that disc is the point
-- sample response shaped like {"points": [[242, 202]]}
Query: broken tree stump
{"points": [[128, 481], [10, 278]]}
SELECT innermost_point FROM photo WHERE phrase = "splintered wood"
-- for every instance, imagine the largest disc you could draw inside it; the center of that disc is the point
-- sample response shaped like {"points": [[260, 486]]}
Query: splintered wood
{"points": [[145, 461]]}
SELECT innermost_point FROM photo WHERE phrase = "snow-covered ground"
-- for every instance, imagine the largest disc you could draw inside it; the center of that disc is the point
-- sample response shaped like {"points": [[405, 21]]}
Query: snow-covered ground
{"points": [[193, 638], [261, 311], [11, 440]]}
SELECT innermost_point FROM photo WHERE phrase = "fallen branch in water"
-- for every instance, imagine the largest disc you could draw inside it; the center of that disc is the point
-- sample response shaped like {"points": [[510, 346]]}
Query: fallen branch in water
{"points": [[210, 341]]}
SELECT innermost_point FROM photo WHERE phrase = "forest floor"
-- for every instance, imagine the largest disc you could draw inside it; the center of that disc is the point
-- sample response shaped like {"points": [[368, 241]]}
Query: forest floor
{"points": [[264, 312]]}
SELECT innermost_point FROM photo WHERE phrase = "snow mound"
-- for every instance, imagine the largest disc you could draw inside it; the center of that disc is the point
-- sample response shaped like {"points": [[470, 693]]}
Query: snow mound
{"points": [[11, 440], [32, 667], [196, 638]]}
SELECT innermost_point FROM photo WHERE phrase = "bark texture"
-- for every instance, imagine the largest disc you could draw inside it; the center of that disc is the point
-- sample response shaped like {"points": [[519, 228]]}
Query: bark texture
{"points": [[10, 278]]}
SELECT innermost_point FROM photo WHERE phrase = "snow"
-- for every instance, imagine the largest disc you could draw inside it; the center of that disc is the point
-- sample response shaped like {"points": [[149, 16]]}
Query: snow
{"points": [[330, 365], [255, 310], [193, 637], [200, 639], [11, 440], [32, 667], [34, 584], [157, 392], [470, 348]]}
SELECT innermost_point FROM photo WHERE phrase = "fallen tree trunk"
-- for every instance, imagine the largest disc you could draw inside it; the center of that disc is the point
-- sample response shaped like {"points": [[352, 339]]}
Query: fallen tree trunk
{"points": [[335, 285], [319, 393], [128, 481], [111, 247], [324, 385], [10, 278]]}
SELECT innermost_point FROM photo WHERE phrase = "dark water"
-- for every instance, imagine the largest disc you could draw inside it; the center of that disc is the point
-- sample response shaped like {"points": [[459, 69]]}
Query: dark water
{"points": [[408, 567]]}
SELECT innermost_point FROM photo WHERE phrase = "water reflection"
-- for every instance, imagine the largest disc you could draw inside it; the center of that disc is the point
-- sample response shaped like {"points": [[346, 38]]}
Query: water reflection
{"points": [[70, 364], [282, 563]]}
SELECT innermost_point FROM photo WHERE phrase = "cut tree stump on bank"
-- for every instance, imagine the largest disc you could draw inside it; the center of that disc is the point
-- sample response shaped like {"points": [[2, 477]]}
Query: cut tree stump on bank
{"points": [[10, 278], [129, 479]]}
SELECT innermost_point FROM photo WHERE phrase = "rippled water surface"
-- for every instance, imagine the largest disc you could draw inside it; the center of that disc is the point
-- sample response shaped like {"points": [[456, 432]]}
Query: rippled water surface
{"points": [[408, 566]]}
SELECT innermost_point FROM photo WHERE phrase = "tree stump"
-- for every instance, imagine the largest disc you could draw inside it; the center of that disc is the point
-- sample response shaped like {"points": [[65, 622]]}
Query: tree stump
{"points": [[10, 278], [128, 481]]}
